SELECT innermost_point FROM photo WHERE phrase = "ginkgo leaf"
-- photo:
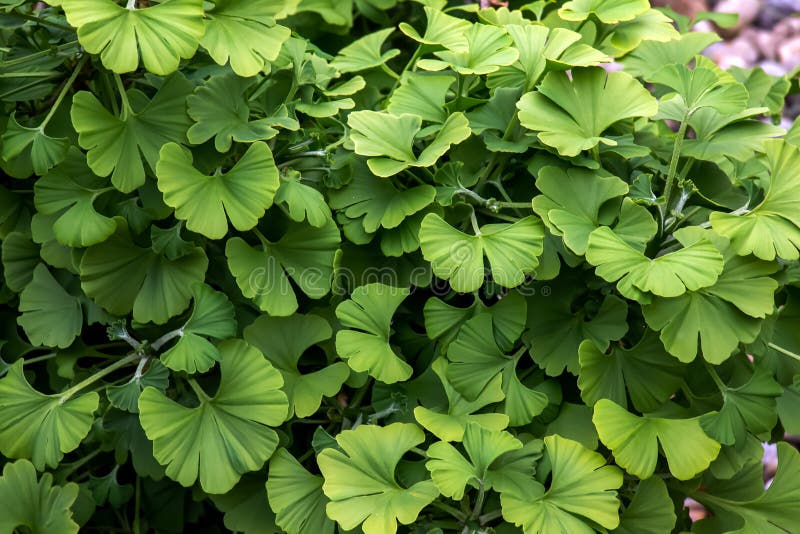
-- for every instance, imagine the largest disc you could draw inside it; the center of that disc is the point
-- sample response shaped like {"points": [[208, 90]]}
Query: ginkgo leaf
{"points": [[571, 200], [513, 251], [450, 425], [651, 56], [296, 496], [742, 501], [772, 228], [650, 511], [121, 277], [364, 53], [243, 193], [117, 144], [635, 441], [360, 479], [304, 202], [421, 95], [69, 191], [212, 317], [364, 343], [571, 114], [720, 316], [126, 396], [220, 110], [162, 33], [487, 49], [698, 88], [226, 435], [441, 29], [379, 202], [608, 11], [749, 407], [244, 32], [277, 339], [20, 255], [50, 316], [582, 488], [30, 150], [541, 48], [645, 372], [389, 139], [34, 504], [41, 427], [452, 472], [693, 267], [304, 254]]}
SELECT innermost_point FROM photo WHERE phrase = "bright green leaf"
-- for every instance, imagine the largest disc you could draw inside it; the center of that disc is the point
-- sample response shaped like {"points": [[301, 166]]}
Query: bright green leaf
{"points": [[50, 316], [296, 496]]}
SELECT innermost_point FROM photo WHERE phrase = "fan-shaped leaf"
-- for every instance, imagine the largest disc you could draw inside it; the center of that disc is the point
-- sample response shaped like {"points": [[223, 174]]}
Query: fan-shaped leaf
{"points": [[30, 150], [296, 496], [226, 435], [487, 49], [50, 316], [360, 481], [41, 427], [364, 344], [126, 396], [365, 53], [608, 11], [163, 33], [243, 193]]}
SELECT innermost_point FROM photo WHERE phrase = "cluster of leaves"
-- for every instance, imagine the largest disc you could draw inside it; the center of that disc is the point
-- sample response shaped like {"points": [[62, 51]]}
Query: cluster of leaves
{"points": [[310, 266]]}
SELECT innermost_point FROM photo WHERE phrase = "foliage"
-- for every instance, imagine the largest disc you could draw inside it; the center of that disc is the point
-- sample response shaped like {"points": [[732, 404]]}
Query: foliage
{"points": [[318, 266]]}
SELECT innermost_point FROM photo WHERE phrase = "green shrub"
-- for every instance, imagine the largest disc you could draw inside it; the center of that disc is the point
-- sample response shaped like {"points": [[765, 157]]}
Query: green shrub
{"points": [[390, 265]]}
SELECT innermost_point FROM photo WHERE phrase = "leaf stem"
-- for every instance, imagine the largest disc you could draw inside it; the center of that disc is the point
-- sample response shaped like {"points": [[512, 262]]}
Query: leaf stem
{"points": [[715, 377], [673, 164], [43, 21], [123, 96], [474, 220], [489, 516], [202, 395], [172, 334], [783, 351], [36, 55], [418, 451], [63, 93], [476, 511], [385, 68], [119, 364], [44, 357], [455, 512]]}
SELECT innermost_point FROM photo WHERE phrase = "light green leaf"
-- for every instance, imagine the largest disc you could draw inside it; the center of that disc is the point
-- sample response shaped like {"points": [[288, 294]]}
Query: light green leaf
{"points": [[442, 29], [50, 316], [422, 95], [364, 343], [243, 193], [571, 115], [212, 316], [35, 504], [628, 36], [30, 150], [460, 412], [645, 372], [162, 33], [721, 315], [698, 88], [608, 11], [220, 110], [126, 396], [117, 144], [487, 49], [695, 266], [296, 496], [749, 407], [635, 441], [304, 254], [379, 202], [388, 139], [336, 12], [245, 32], [452, 472], [284, 340], [303, 201], [582, 488], [360, 480], [68, 192], [650, 511], [571, 201], [719, 137], [121, 277], [651, 56], [771, 229], [41, 427], [512, 250], [226, 435], [364, 53]]}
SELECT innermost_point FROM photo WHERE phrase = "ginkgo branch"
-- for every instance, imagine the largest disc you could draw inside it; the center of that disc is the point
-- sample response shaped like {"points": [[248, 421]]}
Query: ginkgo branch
{"points": [[673, 164], [172, 334], [64, 90], [784, 351]]}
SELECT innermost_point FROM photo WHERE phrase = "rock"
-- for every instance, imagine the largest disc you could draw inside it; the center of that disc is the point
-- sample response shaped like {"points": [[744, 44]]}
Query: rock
{"points": [[774, 11], [789, 53], [733, 53], [747, 10]]}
